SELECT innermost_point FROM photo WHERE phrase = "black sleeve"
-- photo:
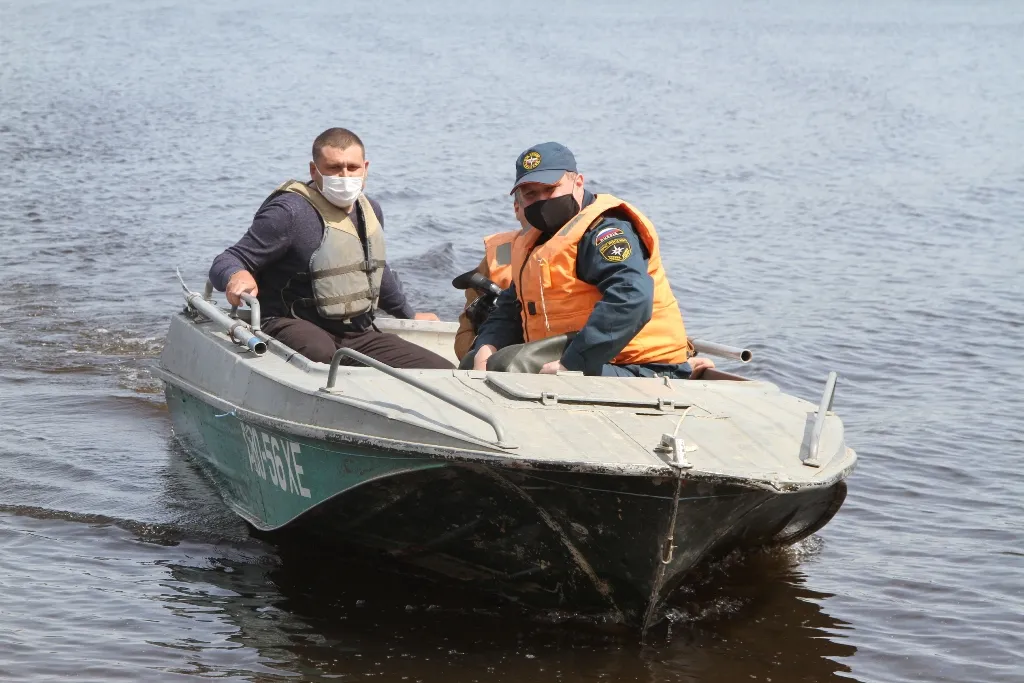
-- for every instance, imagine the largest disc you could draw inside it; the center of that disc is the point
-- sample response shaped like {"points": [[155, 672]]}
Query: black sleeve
{"points": [[266, 241], [392, 297], [503, 326], [377, 211]]}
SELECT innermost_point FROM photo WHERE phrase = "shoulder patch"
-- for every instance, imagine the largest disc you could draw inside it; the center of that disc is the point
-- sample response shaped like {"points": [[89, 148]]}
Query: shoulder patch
{"points": [[616, 249], [606, 234]]}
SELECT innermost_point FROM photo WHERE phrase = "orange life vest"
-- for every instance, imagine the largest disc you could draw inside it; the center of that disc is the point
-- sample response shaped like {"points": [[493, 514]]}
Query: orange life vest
{"points": [[496, 266], [499, 257], [555, 301]]}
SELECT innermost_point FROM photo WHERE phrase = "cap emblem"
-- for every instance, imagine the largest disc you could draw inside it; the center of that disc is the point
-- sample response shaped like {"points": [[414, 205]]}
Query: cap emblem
{"points": [[531, 160]]}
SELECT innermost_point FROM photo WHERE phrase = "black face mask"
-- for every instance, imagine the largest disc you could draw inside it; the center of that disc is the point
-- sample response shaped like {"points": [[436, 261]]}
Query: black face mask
{"points": [[549, 215]]}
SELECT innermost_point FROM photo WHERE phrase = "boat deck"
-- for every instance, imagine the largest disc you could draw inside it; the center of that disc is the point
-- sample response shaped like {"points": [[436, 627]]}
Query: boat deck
{"points": [[745, 430]]}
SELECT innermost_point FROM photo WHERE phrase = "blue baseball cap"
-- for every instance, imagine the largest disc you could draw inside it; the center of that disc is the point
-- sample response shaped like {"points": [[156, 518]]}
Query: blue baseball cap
{"points": [[545, 163]]}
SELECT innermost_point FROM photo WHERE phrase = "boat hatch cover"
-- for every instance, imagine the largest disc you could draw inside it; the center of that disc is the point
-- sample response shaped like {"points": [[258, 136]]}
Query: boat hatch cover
{"points": [[558, 389]]}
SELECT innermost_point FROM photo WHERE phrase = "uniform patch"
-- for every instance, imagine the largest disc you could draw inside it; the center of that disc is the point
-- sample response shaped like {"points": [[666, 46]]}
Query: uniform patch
{"points": [[615, 250], [531, 160], [606, 234]]}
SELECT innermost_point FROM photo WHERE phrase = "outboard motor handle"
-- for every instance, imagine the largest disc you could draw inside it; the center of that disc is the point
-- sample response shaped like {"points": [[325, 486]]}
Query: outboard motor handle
{"points": [[478, 309], [474, 280]]}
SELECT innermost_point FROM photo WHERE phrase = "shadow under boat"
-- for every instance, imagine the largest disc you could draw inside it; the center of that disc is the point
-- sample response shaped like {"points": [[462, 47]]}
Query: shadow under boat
{"points": [[558, 539], [317, 610]]}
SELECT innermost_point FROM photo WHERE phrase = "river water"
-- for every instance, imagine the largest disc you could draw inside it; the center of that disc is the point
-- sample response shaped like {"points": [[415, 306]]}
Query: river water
{"points": [[836, 186]]}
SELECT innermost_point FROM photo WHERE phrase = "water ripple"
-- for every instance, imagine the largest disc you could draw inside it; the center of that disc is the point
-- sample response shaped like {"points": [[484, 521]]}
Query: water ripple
{"points": [[836, 186]]}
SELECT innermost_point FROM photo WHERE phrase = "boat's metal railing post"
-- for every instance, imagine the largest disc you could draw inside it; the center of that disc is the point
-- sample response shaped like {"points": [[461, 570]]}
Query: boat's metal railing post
{"points": [[254, 311], [721, 350], [824, 406], [465, 406], [236, 329], [254, 306]]}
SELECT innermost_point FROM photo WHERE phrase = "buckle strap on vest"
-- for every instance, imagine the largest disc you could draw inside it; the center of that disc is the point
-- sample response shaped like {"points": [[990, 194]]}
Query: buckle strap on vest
{"points": [[346, 270], [349, 322], [341, 299], [364, 266]]}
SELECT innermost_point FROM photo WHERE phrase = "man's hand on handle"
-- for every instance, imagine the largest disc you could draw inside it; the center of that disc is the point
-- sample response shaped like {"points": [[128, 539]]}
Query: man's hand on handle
{"points": [[482, 354], [698, 364], [240, 283], [552, 368]]}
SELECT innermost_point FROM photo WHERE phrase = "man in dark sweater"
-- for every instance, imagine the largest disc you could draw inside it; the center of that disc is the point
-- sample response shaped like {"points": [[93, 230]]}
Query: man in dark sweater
{"points": [[291, 240]]}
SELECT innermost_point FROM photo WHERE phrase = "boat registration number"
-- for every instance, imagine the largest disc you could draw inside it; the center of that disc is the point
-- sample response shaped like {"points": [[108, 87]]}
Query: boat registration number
{"points": [[275, 460]]}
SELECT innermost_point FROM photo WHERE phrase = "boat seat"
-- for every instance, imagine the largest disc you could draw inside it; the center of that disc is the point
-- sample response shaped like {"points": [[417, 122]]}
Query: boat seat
{"points": [[529, 358], [523, 358]]}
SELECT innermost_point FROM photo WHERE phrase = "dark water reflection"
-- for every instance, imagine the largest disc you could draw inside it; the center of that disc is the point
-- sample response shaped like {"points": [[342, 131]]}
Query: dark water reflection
{"points": [[410, 623], [152, 601]]}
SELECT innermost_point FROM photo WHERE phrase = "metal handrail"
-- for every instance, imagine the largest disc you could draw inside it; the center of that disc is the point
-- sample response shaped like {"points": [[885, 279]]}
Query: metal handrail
{"points": [[721, 350], [254, 305], [475, 411], [254, 311], [824, 406], [236, 329]]}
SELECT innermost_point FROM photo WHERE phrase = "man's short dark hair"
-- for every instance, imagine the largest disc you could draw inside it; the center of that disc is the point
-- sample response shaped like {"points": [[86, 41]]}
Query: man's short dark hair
{"points": [[342, 138]]}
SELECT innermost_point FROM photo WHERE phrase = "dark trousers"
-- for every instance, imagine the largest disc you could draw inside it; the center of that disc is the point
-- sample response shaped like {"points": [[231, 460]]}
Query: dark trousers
{"points": [[319, 345]]}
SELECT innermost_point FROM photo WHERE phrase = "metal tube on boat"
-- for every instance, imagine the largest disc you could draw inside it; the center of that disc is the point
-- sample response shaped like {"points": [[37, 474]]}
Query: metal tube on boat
{"points": [[824, 405], [476, 411], [254, 311], [236, 329], [721, 350]]}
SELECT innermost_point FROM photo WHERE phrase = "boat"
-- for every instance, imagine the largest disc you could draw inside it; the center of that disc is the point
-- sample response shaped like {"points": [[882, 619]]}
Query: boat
{"points": [[583, 493]]}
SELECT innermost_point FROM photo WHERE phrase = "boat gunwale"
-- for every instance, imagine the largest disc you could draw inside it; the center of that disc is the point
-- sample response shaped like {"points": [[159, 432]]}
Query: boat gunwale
{"points": [[496, 457]]}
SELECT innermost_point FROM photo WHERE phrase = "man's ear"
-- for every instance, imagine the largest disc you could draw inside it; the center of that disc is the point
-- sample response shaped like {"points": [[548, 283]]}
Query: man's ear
{"points": [[312, 172], [577, 188]]}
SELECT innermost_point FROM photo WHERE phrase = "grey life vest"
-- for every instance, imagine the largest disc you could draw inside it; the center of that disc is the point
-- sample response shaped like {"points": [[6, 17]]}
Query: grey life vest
{"points": [[345, 278]]}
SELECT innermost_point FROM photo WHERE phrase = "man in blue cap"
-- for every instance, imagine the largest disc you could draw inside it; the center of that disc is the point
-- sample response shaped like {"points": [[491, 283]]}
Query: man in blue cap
{"points": [[589, 267]]}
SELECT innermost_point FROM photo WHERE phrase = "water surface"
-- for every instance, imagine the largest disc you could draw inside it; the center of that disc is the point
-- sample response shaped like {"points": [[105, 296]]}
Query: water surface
{"points": [[836, 187]]}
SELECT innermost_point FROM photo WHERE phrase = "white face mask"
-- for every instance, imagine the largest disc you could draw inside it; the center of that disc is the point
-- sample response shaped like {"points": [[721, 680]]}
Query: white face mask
{"points": [[342, 191]]}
